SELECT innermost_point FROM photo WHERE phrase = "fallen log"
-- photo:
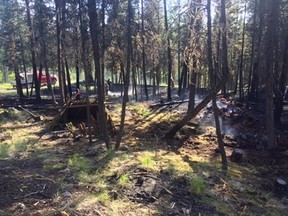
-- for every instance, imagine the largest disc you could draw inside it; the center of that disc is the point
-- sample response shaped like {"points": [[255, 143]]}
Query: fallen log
{"points": [[35, 117], [192, 113], [168, 103]]}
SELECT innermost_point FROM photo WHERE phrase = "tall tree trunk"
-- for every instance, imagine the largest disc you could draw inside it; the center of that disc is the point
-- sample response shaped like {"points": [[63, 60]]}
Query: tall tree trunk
{"points": [[101, 117], [24, 67], [282, 83], [179, 51], [252, 50], [69, 85], [270, 48], [143, 52], [196, 50], [241, 92], [134, 71], [85, 45], [33, 55], [127, 77], [50, 89], [225, 67], [213, 84], [258, 52], [103, 47], [169, 57], [64, 62], [59, 52], [193, 80]]}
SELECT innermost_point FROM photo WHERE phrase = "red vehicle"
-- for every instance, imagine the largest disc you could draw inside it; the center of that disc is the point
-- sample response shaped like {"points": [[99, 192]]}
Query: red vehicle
{"points": [[53, 78]]}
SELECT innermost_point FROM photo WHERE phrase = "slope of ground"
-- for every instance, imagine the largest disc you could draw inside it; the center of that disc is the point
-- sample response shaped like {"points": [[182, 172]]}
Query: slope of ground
{"points": [[45, 172]]}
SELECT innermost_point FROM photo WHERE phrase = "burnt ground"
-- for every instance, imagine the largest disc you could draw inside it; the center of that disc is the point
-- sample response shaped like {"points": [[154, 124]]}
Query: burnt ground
{"points": [[56, 173]]}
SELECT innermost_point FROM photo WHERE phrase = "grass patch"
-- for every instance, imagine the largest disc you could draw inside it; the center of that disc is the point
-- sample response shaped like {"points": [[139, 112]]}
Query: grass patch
{"points": [[174, 164], [55, 167], [17, 144], [222, 207], [141, 110], [103, 197], [4, 150], [97, 179], [196, 184], [147, 161], [123, 180], [78, 163], [6, 89]]}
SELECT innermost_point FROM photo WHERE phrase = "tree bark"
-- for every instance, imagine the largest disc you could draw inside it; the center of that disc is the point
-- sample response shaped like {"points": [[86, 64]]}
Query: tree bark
{"points": [[241, 92], [33, 55], [169, 58], [59, 52], [270, 47], [213, 84], [143, 52], [102, 120], [127, 77]]}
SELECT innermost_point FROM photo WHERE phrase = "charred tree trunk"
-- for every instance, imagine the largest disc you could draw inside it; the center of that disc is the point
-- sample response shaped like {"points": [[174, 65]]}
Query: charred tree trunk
{"points": [[85, 45], [101, 117], [169, 58], [69, 85], [143, 52], [252, 50], [270, 48], [127, 77], [59, 52], [193, 80], [282, 84], [33, 55], [241, 92]]}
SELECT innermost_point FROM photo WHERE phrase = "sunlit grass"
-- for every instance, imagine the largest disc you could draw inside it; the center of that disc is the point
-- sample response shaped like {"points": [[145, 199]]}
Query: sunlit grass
{"points": [[5, 86], [173, 163], [147, 161], [123, 180], [128, 208], [103, 197], [79, 163], [20, 142], [118, 162], [97, 179], [6, 89], [91, 200]]}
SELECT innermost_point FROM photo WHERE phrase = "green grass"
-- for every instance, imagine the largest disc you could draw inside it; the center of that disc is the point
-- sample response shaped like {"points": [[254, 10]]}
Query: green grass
{"points": [[7, 89], [77, 163], [19, 143], [123, 180], [55, 167], [5, 86], [196, 184], [4, 150], [140, 110], [103, 197], [148, 162]]}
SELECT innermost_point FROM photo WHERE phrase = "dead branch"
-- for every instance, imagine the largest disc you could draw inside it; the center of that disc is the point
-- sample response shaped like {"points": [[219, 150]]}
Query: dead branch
{"points": [[35, 117], [168, 103], [192, 113], [33, 193]]}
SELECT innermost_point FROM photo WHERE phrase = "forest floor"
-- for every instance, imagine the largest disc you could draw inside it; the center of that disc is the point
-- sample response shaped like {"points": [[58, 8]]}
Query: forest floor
{"points": [[44, 172]]}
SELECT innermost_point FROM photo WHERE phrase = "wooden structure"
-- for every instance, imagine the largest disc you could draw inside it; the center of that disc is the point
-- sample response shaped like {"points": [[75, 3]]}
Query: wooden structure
{"points": [[75, 112]]}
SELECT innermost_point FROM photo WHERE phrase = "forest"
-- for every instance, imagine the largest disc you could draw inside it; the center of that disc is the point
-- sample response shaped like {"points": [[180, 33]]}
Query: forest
{"points": [[151, 107]]}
